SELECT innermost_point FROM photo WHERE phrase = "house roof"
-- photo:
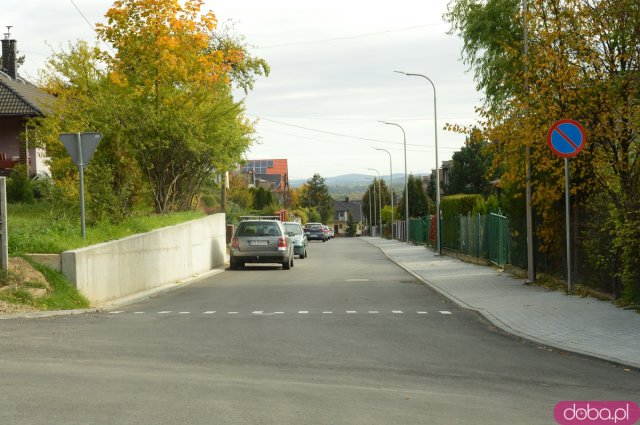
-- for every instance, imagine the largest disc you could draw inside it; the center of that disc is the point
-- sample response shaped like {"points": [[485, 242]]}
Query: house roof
{"points": [[276, 179], [19, 97], [354, 207]]}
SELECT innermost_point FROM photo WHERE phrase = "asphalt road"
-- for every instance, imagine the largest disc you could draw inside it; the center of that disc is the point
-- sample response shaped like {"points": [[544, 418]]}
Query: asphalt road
{"points": [[345, 337]]}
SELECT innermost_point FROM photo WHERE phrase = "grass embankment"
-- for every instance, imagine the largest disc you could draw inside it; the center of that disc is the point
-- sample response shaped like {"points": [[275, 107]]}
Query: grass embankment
{"points": [[34, 228]]}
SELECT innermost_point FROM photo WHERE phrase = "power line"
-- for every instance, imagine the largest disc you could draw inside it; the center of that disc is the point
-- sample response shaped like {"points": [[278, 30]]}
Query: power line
{"points": [[329, 40], [339, 134], [89, 23]]}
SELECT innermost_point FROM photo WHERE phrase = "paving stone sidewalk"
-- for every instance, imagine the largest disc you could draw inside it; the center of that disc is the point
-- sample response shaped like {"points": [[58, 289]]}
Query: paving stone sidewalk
{"points": [[578, 324]]}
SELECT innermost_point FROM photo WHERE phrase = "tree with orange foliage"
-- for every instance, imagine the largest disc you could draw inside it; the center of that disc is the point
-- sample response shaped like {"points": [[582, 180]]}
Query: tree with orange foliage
{"points": [[583, 63], [174, 82]]}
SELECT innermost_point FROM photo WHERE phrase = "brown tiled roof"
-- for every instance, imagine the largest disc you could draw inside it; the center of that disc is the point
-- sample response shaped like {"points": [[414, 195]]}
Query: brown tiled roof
{"points": [[21, 98]]}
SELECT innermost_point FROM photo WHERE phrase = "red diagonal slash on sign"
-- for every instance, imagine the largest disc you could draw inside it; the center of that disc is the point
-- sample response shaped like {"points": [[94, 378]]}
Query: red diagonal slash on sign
{"points": [[565, 137]]}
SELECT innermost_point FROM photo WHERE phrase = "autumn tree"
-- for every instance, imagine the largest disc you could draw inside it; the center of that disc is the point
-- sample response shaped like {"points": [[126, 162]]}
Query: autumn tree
{"points": [[583, 63], [176, 108]]}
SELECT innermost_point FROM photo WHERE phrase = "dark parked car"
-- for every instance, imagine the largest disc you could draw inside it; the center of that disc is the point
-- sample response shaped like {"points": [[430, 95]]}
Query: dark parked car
{"points": [[299, 239], [261, 241], [315, 231]]}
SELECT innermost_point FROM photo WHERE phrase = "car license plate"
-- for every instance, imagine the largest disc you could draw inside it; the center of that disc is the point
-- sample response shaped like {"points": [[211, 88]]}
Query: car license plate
{"points": [[258, 243]]}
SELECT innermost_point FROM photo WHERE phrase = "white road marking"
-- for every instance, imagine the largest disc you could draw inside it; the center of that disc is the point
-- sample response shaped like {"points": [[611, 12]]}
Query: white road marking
{"points": [[164, 312], [185, 312], [209, 312], [351, 312], [373, 312], [257, 312], [138, 312], [421, 312], [116, 312], [303, 312], [327, 312], [445, 312], [396, 311], [232, 312]]}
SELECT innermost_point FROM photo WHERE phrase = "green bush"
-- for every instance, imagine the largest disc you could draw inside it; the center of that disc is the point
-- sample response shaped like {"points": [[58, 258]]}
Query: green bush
{"points": [[455, 205], [19, 187]]}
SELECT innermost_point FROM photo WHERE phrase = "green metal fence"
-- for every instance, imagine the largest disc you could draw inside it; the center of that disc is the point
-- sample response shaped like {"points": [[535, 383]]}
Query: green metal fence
{"points": [[499, 239], [419, 230], [481, 236]]}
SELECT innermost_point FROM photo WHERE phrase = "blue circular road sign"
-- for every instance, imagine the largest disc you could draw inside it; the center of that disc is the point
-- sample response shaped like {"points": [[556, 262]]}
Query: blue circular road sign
{"points": [[566, 138]]}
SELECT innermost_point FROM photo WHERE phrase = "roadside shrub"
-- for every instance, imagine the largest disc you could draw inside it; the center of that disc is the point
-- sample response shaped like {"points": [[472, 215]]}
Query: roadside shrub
{"points": [[19, 187]]}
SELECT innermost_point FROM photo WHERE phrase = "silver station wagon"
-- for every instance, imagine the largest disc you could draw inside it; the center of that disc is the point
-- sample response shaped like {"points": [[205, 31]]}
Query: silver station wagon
{"points": [[261, 241]]}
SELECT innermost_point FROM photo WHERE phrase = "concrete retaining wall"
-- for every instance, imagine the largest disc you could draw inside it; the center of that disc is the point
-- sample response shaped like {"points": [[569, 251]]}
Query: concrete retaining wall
{"points": [[116, 269]]}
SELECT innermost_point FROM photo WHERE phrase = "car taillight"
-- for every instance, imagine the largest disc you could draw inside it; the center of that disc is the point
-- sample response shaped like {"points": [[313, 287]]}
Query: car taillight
{"points": [[234, 243], [282, 243]]}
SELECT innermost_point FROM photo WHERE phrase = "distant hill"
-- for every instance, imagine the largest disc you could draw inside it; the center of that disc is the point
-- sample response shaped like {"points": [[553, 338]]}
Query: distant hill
{"points": [[352, 185]]}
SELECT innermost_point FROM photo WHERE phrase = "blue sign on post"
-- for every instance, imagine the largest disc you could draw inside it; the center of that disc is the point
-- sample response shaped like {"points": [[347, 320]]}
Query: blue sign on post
{"points": [[566, 138]]}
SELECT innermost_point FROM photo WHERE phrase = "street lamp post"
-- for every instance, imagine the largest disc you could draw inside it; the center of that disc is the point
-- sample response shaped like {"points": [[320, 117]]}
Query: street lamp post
{"points": [[370, 211], [391, 183], [406, 181], [435, 126], [379, 197], [374, 201]]}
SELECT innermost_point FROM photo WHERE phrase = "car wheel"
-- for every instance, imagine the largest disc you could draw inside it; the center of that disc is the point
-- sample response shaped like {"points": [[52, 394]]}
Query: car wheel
{"points": [[286, 265], [304, 254]]}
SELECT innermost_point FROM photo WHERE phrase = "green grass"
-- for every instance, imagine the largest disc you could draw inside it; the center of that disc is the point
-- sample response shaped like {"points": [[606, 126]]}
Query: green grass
{"points": [[34, 228]]}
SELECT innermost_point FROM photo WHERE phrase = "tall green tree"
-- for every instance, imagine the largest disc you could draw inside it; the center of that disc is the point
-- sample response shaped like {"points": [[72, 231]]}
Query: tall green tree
{"points": [[418, 203], [315, 194], [470, 167]]}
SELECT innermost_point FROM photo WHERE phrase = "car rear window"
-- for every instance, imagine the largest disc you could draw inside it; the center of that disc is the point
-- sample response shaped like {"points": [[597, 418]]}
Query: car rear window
{"points": [[313, 226], [262, 228], [293, 228]]}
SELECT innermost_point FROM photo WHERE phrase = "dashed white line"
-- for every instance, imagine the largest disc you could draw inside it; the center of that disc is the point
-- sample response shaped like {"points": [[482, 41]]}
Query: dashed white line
{"points": [[351, 312], [185, 312], [421, 312], [232, 312], [257, 312], [138, 312], [116, 312], [373, 312], [303, 312], [327, 312], [445, 312], [397, 311], [165, 312], [209, 312]]}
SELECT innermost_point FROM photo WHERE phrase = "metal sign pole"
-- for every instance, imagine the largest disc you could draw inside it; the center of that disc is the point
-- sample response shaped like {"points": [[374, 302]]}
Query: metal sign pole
{"points": [[568, 221], [81, 171]]}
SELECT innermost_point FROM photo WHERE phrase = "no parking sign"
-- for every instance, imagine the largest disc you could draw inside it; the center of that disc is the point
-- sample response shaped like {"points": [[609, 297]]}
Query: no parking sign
{"points": [[566, 138]]}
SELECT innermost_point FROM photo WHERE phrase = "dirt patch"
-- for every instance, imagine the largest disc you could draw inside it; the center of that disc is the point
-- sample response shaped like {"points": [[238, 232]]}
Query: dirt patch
{"points": [[21, 275]]}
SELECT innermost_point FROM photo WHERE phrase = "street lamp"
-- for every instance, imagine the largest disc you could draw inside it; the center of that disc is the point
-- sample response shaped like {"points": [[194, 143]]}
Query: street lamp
{"points": [[406, 181], [435, 126], [369, 221], [379, 197], [391, 183], [374, 201]]}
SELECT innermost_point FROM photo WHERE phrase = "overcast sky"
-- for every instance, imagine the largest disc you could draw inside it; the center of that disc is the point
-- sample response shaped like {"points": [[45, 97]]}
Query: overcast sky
{"points": [[331, 79]]}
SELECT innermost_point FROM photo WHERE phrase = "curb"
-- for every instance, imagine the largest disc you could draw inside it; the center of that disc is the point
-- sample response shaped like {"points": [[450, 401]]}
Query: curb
{"points": [[501, 325]]}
